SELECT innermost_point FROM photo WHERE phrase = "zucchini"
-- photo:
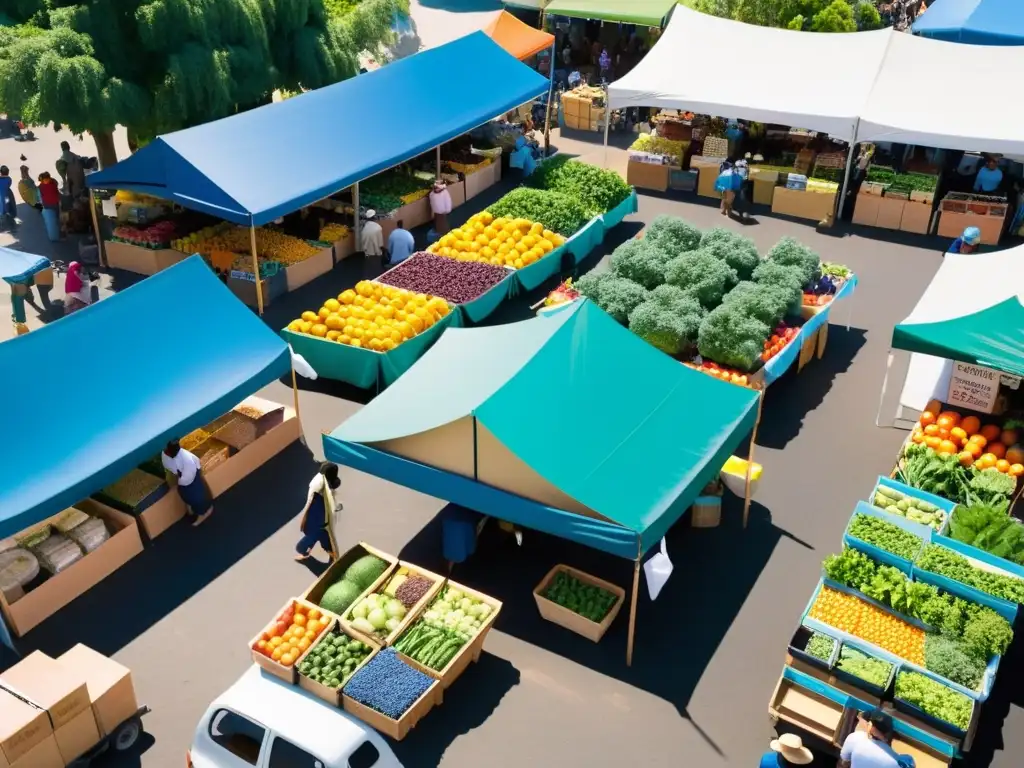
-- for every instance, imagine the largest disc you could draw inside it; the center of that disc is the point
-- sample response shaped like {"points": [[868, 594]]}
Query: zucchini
{"points": [[925, 506], [892, 509], [881, 501], [890, 493]]}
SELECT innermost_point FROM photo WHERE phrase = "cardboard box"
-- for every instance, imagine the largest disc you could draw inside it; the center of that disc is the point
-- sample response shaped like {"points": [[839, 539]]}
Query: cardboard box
{"points": [[865, 210], [142, 261], [45, 754], [917, 217], [59, 590], [110, 687], [77, 737], [47, 684], [297, 275], [801, 204], [22, 727], [764, 191], [647, 176], [890, 212]]}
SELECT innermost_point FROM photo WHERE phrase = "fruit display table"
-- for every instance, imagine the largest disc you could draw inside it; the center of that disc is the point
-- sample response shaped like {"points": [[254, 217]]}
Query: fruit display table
{"points": [[139, 259]]}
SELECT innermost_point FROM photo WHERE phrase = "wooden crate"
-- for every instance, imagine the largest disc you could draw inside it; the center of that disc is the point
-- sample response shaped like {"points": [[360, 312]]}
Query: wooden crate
{"points": [[571, 620], [278, 670], [647, 176], [321, 691], [890, 212], [380, 583], [337, 569], [715, 146], [396, 729]]}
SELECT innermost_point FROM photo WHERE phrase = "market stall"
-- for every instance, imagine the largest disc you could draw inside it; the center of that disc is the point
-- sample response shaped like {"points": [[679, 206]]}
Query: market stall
{"points": [[211, 168], [986, 22], [971, 313], [903, 201], [57, 542], [21, 271], [650, 13], [478, 446]]}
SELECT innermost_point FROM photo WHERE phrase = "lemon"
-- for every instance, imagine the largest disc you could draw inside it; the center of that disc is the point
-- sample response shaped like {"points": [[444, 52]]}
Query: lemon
{"points": [[344, 339]]}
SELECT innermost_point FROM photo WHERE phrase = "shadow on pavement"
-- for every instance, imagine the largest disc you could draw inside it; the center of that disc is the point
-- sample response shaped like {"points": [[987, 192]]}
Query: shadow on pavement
{"points": [[467, 705], [693, 613], [183, 560], [132, 758]]}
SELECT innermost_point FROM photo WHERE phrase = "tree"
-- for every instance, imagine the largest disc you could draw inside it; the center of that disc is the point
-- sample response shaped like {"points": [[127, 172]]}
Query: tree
{"points": [[155, 66], [867, 17], [837, 17], [796, 23]]}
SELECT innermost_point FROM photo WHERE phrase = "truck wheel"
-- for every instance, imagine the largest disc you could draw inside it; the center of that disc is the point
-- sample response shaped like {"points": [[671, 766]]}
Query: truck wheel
{"points": [[126, 735]]}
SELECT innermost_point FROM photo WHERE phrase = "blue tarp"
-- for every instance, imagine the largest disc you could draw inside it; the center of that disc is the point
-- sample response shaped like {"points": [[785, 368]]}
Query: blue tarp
{"points": [[17, 266], [259, 165], [98, 392], [976, 22]]}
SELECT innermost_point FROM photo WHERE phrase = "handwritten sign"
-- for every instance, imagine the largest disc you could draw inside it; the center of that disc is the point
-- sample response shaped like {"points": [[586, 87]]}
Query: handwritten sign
{"points": [[249, 276], [973, 386]]}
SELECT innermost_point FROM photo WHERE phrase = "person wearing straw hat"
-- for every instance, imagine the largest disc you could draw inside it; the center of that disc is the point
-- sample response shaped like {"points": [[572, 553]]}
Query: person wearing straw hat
{"points": [[870, 745], [786, 750]]}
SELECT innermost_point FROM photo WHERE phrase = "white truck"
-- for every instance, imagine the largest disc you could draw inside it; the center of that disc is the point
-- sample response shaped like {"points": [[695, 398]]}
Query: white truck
{"points": [[264, 722]]}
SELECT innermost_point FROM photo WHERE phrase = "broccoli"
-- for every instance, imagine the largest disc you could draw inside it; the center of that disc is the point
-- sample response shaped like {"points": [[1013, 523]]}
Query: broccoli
{"points": [[730, 337], [662, 327], [590, 284], [618, 296], [702, 275], [639, 261], [676, 299], [767, 303], [673, 235], [787, 278], [791, 253], [737, 251]]}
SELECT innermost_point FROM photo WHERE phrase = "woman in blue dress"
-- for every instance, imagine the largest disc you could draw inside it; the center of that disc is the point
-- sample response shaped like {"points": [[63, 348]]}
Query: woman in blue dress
{"points": [[318, 514]]}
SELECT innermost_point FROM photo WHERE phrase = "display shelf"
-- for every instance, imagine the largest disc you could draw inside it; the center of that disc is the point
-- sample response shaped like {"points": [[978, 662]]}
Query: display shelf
{"points": [[297, 275], [140, 260]]}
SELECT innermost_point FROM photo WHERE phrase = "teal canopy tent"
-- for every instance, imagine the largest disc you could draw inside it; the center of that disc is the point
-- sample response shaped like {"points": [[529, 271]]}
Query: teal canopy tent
{"points": [[567, 423]]}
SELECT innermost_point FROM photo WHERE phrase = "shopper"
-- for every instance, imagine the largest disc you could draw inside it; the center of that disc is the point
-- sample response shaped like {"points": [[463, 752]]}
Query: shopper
{"points": [[870, 747], [401, 244], [63, 163], [49, 195], [318, 514], [740, 174], [440, 207], [187, 470], [786, 750], [28, 190], [989, 178], [724, 186], [967, 242], [8, 205], [372, 238], [77, 292]]}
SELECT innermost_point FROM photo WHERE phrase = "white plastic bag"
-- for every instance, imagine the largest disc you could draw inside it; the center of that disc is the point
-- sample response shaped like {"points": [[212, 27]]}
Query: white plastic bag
{"points": [[657, 570]]}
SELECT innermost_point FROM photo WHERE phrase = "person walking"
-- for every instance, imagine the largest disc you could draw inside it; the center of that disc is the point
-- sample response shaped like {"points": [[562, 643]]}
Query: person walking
{"points": [[724, 186], [401, 244], [187, 471], [49, 196], [870, 745], [317, 524], [440, 207], [77, 292], [28, 190], [784, 751]]}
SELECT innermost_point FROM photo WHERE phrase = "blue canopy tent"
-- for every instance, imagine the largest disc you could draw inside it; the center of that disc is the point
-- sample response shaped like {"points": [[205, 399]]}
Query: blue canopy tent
{"points": [[18, 268], [148, 394], [643, 434], [975, 22]]}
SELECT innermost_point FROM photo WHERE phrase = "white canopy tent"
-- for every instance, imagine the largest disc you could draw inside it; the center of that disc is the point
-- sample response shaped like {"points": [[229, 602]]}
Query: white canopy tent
{"points": [[813, 81], [965, 284]]}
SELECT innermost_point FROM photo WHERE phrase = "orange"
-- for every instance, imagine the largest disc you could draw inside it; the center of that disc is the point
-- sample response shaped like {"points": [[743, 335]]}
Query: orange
{"points": [[299, 619], [948, 446], [951, 416], [917, 436], [957, 435], [987, 460], [933, 442], [927, 417], [1015, 455], [943, 434], [971, 424], [997, 449], [945, 422], [1009, 437], [991, 432], [973, 449], [300, 610], [277, 654], [1003, 465], [304, 643], [934, 406], [287, 659], [1017, 470], [931, 430], [978, 440]]}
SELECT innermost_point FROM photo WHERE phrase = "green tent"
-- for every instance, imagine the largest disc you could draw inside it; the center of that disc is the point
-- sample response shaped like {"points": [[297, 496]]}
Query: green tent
{"points": [[648, 12], [584, 429]]}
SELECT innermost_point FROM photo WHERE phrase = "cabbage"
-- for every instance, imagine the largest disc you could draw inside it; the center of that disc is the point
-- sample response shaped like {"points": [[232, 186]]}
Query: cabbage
{"points": [[392, 624], [364, 626], [395, 610], [378, 618], [361, 610]]}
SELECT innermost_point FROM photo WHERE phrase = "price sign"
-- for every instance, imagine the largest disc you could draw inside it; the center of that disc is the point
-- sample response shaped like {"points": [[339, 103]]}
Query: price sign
{"points": [[249, 276], [973, 386]]}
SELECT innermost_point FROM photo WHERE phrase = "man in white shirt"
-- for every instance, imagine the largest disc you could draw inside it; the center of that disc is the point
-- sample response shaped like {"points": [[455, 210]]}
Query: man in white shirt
{"points": [[372, 239], [870, 748], [187, 472]]}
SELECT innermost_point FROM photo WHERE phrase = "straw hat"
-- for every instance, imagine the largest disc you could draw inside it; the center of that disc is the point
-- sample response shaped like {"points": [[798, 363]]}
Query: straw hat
{"points": [[792, 749]]}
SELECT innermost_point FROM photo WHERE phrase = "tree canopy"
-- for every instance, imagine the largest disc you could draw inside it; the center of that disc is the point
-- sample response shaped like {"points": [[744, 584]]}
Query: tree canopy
{"points": [[806, 15], [159, 65]]}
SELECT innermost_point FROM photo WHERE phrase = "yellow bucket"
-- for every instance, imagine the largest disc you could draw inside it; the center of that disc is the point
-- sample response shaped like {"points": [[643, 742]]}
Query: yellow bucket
{"points": [[734, 476]]}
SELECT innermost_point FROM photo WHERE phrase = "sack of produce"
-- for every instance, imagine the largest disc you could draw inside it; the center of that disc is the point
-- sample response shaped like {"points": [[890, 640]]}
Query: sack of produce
{"points": [[70, 518], [8, 544], [17, 568], [57, 553], [34, 538], [90, 534]]}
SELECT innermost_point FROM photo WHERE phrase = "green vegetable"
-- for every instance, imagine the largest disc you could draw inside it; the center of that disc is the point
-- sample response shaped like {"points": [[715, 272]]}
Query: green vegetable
{"points": [[986, 634], [947, 657], [339, 596], [953, 565], [929, 471], [884, 535], [867, 668], [334, 659], [596, 189], [673, 235], [880, 174], [835, 270], [640, 262], [729, 337], [989, 528], [820, 646], [619, 296], [364, 571], [766, 303], [790, 253], [989, 486], [784, 277], [935, 698], [737, 251], [558, 212], [702, 275], [667, 328], [589, 285], [589, 601], [676, 299]]}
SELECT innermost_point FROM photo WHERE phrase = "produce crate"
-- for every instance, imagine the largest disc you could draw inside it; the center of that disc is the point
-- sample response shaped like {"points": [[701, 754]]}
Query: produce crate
{"points": [[923, 532], [335, 571], [922, 197], [157, 489], [935, 722], [471, 651], [380, 583], [860, 682], [278, 670], [212, 453], [798, 645], [321, 691], [715, 146], [798, 700], [571, 620], [397, 729], [945, 505], [872, 188]]}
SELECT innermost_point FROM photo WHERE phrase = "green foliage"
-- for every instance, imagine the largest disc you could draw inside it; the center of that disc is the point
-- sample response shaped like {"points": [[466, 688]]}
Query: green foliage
{"points": [[597, 189], [664, 327], [868, 17], [867, 668], [677, 299], [767, 303], [737, 251], [990, 528], [788, 279], [619, 296], [820, 646], [885, 535], [792, 253], [851, 568], [796, 23], [701, 274], [935, 698], [945, 656], [640, 261], [953, 565], [729, 337], [838, 17], [558, 212], [987, 634], [589, 285], [673, 235]]}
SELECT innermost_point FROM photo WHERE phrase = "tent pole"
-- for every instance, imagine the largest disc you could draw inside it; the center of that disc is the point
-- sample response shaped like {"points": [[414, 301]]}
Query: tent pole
{"points": [[607, 124], [256, 267], [357, 230], [295, 398], [437, 161], [881, 397], [632, 605], [551, 95], [750, 460], [96, 229], [846, 181]]}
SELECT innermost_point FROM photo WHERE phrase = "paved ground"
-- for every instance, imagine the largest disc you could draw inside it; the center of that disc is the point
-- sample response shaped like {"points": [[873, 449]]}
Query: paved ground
{"points": [[708, 652]]}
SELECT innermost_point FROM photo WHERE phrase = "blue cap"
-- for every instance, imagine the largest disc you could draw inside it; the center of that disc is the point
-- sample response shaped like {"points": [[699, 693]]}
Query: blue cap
{"points": [[971, 235]]}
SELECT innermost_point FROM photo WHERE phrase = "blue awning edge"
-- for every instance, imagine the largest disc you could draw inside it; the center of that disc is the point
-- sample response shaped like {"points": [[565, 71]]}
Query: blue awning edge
{"points": [[18, 266], [256, 166], [96, 393]]}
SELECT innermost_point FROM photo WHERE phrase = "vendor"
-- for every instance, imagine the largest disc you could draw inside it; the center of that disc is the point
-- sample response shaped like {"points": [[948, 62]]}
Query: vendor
{"points": [[967, 242], [522, 157], [440, 207], [869, 745], [372, 238], [187, 470], [786, 750], [989, 177]]}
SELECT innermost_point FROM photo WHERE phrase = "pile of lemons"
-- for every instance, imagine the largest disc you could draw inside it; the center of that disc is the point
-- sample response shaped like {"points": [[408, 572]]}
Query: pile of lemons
{"points": [[514, 243], [372, 316]]}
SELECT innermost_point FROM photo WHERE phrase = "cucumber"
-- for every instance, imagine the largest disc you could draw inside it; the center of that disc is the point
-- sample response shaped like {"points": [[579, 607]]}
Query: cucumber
{"points": [[925, 506], [903, 504], [890, 493], [881, 501], [892, 509]]}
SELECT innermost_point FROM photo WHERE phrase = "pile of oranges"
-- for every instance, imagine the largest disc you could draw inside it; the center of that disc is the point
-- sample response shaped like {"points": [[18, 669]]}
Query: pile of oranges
{"points": [[983, 447], [857, 617], [294, 631], [502, 242]]}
